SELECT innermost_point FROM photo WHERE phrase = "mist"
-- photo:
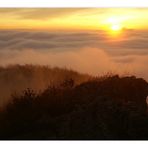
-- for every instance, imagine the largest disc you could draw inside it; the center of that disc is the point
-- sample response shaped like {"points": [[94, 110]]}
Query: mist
{"points": [[89, 52], [92, 52], [15, 79]]}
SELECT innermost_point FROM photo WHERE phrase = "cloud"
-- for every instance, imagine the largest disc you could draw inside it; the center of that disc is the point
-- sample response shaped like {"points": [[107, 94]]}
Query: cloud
{"points": [[86, 60], [39, 13], [134, 42], [89, 52], [19, 40], [46, 13]]}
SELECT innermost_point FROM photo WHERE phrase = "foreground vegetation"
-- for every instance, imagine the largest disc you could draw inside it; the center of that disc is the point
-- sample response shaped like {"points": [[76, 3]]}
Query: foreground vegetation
{"points": [[110, 107]]}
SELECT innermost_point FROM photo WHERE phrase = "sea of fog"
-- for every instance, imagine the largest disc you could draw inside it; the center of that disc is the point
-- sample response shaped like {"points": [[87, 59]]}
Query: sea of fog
{"points": [[93, 52]]}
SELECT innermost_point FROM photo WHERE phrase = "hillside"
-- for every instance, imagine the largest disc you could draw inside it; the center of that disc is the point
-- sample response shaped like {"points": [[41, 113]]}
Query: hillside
{"points": [[110, 107], [16, 78]]}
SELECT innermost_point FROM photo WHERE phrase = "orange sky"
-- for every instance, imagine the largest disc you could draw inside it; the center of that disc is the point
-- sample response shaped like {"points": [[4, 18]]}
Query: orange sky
{"points": [[74, 18]]}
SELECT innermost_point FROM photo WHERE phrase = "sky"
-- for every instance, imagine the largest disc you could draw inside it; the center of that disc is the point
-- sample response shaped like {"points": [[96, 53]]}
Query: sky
{"points": [[89, 40], [71, 18]]}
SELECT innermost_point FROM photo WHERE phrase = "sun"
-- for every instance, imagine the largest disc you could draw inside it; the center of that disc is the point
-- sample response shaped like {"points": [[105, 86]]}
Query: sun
{"points": [[116, 27], [115, 23]]}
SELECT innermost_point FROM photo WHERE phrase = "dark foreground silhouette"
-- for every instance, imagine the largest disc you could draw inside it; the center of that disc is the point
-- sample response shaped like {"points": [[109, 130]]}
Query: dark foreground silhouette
{"points": [[107, 108]]}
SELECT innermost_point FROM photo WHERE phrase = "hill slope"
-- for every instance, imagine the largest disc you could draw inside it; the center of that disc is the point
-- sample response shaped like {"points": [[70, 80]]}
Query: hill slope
{"points": [[16, 78], [109, 108]]}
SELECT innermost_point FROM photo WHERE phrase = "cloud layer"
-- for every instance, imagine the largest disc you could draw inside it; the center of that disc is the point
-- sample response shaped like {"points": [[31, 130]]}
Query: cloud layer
{"points": [[89, 52]]}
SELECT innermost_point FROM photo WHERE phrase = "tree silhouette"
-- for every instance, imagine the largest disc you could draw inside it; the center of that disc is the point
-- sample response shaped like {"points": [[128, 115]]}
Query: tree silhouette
{"points": [[109, 108]]}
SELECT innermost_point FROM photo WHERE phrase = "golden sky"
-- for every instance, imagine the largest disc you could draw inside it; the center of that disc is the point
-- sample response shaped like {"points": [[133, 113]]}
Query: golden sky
{"points": [[74, 18]]}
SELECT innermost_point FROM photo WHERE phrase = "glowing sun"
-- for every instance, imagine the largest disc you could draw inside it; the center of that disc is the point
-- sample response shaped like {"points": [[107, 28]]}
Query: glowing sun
{"points": [[116, 27], [115, 23]]}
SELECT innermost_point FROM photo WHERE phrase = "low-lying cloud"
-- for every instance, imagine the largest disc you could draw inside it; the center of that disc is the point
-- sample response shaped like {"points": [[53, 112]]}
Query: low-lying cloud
{"points": [[89, 52]]}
